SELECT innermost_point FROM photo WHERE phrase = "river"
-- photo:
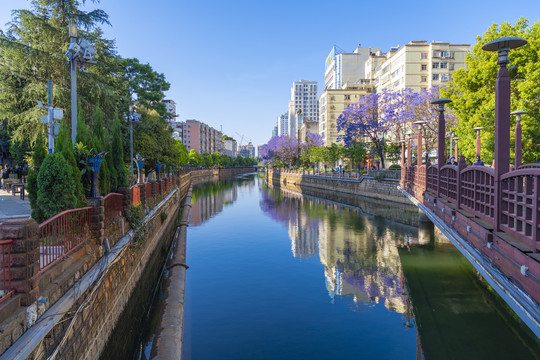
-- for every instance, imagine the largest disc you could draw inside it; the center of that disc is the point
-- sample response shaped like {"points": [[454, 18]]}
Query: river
{"points": [[276, 275]]}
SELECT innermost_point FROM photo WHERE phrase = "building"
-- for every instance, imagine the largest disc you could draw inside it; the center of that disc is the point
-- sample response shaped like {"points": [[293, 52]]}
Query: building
{"points": [[304, 98], [346, 68], [332, 103], [177, 129], [170, 105], [230, 147], [418, 65], [308, 126], [246, 150], [275, 131], [283, 124], [201, 137]]}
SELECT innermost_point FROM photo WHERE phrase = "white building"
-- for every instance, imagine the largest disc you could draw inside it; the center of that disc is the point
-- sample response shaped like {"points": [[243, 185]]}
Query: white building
{"points": [[346, 68], [170, 105], [303, 97], [229, 147], [283, 124], [275, 131]]}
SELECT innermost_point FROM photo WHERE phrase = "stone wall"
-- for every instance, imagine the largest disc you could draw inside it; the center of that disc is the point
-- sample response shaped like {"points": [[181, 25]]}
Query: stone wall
{"points": [[384, 189]]}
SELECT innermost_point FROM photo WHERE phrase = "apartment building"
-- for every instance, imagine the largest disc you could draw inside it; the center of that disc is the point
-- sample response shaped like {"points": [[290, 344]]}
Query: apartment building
{"points": [[417, 65], [342, 68], [230, 147], [332, 103], [283, 124], [201, 137], [304, 98], [308, 126], [170, 105]]}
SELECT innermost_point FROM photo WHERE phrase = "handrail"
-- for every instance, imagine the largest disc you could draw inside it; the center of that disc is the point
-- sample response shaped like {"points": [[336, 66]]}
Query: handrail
{"points": [[7, 290]]}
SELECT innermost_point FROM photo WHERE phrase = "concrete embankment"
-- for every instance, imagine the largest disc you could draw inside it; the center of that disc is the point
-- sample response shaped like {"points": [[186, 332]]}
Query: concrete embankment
{"points": [[168, 343]]}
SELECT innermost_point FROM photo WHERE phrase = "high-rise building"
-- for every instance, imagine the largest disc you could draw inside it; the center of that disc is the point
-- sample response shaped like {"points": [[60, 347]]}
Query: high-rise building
{"points": [[170, 105], [332, 103], [283, 124], [418, 65], [304, 98], [275, 131], [230, 147], [246, 150], [201, 137], [346, 68]]}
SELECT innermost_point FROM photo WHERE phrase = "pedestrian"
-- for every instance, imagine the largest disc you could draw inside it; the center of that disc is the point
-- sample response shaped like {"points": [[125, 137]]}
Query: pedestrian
{"points": [[478, 161], [5, 175]]}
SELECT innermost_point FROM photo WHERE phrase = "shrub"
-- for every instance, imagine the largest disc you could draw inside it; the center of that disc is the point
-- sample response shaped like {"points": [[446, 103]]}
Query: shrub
{"points": [[395, 166], [56, 190]]}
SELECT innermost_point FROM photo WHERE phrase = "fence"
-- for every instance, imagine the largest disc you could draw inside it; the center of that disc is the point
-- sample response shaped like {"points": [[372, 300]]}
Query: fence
{"points": [[62, 234], [6, 290]]}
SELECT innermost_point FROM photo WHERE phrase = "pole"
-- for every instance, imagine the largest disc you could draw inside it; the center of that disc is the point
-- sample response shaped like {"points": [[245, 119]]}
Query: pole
{"points": [[517, 161], [73, 63], [442, 135], [50, 112], [131, 145]]}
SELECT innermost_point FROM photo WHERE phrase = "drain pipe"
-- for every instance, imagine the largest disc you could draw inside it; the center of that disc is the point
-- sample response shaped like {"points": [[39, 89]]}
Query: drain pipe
{"points": [[169, 335]]}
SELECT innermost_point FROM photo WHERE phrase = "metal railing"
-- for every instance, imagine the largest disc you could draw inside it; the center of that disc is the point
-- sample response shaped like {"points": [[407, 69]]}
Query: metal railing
{"points": [[6, 290], [62, 234]]}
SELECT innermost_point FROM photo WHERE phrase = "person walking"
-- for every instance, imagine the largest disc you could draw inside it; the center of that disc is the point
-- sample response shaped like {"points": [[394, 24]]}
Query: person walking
{"points": [[5, 175]]}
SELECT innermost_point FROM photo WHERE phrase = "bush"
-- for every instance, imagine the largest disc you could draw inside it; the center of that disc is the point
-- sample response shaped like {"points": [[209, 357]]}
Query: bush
{"points": [[56, 190], [395, 166]]}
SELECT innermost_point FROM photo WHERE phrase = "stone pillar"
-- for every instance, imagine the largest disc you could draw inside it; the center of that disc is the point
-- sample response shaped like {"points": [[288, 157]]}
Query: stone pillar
{"points": [[97, 219], [24, 257], [126, 202], [143, 194]]}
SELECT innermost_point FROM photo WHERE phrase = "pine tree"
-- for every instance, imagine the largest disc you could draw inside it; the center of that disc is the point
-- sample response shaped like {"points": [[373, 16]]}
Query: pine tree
{"points": [[117, 153], [63, 146], [39, 155]]}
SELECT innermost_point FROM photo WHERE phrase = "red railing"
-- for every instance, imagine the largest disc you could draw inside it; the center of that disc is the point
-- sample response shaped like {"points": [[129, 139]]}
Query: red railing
{"points": [[135, 195], [477, 193], [113, 204], [520, 210], [62, 234], [432, 179], [448, 183], [6, 290]]}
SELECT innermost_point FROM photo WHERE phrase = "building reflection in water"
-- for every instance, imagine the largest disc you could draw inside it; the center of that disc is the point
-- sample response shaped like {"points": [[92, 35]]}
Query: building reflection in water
{"points": [[360, 257]]}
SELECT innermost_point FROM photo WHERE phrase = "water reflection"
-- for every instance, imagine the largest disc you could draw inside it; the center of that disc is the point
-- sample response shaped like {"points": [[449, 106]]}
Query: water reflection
{"points": [[409, 270]]}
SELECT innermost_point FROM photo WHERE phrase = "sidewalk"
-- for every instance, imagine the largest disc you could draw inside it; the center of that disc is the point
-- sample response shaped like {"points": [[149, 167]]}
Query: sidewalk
{"points": [[12, 206]]}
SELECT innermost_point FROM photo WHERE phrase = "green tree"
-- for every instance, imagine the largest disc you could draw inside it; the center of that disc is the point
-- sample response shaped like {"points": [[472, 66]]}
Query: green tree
{"points": [[207, 159], [56, 191], [117, 154], [183, 157], [333, 153], [63, 146], [472, 91], [195, 158], [355, 153], [38, 156]]}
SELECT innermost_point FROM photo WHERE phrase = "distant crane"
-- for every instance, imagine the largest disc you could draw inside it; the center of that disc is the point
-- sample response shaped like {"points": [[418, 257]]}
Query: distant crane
{"points": [[242, 139]]}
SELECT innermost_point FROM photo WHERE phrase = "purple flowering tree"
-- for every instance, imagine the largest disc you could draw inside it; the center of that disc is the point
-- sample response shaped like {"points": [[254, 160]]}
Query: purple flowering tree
{"points": [[280, 150], [360, 122], [312, 141]]}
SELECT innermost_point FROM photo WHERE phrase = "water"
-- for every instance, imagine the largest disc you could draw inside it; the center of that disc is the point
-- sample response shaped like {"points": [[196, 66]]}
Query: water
{"points": [[274, 275]]}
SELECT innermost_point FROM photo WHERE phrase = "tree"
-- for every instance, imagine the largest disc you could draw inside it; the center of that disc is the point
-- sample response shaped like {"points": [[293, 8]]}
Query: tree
{"points": [[333, 153], [63, 146], [183, 157], [195, 159], [56, 191], [472, 91], [38, 156], [117, 154]]}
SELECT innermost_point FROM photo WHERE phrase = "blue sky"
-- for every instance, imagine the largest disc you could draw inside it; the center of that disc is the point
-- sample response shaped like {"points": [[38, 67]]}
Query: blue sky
{"points": [[232, 63]]}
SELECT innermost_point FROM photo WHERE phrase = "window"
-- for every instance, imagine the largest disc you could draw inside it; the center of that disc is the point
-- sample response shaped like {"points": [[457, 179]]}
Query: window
{"points": [[451, 66], [435, 65], [435, 77], [347, 97], [437, 53], [424, 78], [424, 67], [444, 65], [445, 77], [423, 55]]}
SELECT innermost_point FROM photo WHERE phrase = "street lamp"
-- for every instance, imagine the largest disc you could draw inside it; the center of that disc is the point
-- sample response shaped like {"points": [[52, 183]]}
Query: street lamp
{"points": [[441, 131], [82, 52], [133, 118], [478, 141], [517, 143], [419, 146], [408, 135]]}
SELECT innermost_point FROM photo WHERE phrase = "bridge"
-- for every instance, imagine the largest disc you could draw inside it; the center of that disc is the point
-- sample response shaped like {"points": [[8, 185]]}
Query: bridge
{"points": [[491, 213]]}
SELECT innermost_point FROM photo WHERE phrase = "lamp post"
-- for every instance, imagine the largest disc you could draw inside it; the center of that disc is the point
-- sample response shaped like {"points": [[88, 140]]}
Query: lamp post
{"points": [[94, 160], [502, 114], [140, 163], [478, 141], [419, 146], [83, 53], [517, 139], [133, 118], [408, 134], [158, 168], [441, 131], [456, 138]]}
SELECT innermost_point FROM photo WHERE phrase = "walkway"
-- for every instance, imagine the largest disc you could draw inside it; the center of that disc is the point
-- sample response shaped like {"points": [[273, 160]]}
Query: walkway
{"points": [[12, 206]]}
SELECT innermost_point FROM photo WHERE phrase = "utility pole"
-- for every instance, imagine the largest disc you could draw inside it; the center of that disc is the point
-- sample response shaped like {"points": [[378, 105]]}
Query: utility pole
{"points": [[52, 115], [73, 64]]}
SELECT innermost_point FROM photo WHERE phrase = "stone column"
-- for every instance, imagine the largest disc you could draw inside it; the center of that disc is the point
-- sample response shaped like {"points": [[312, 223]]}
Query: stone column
{"points": [[24, 257], [97, 219], [126, 202], [143, 194]]}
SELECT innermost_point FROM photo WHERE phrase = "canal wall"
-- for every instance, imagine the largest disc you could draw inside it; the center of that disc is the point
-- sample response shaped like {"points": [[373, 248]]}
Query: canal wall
{"points": [[365, 193], [92, 290]]}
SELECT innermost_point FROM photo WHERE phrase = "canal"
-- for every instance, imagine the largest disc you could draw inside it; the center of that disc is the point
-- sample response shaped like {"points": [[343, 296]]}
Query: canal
{"points": [[277, 275]]}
